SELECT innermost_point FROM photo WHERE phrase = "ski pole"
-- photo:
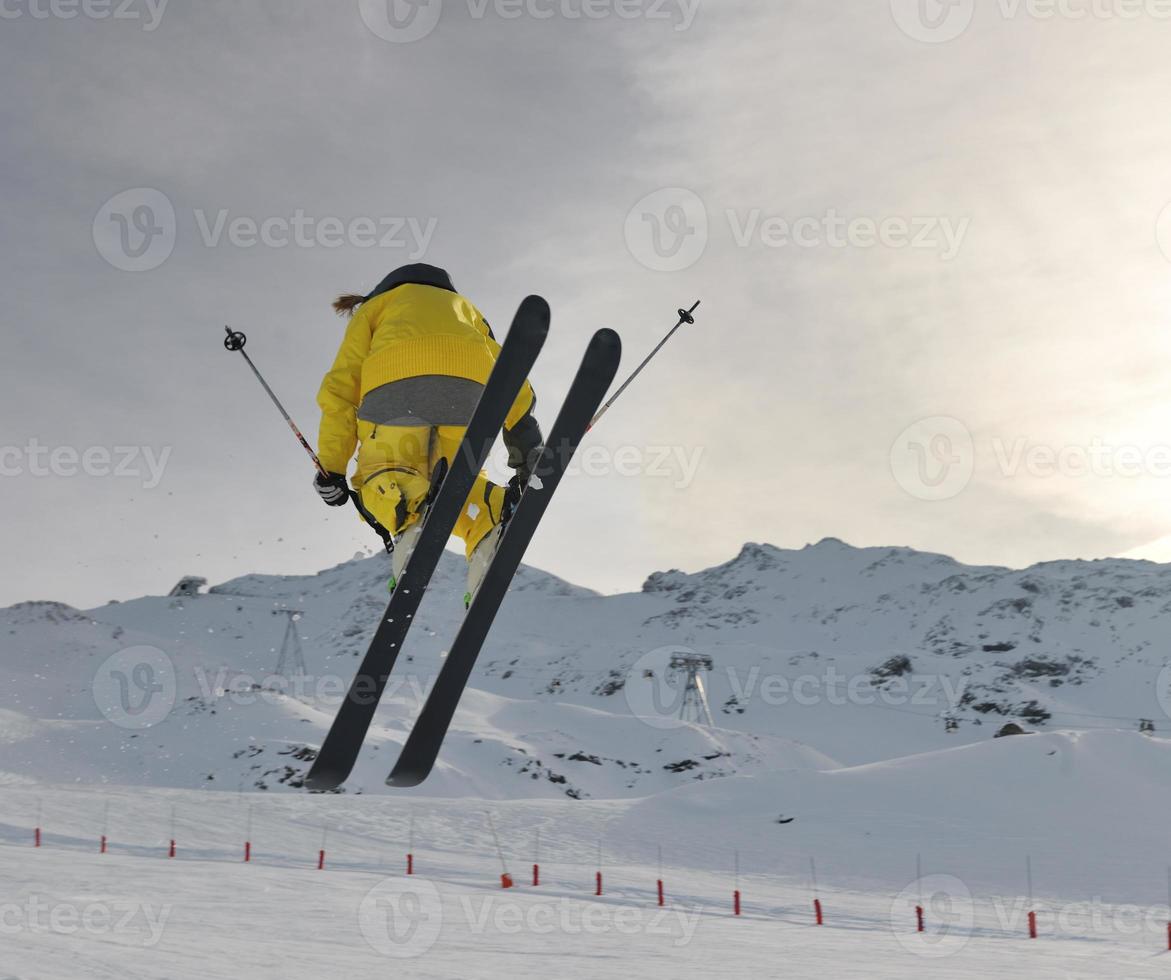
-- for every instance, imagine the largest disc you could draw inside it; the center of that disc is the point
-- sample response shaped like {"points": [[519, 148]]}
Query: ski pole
{"points": [[235, 341], [685, 316]]}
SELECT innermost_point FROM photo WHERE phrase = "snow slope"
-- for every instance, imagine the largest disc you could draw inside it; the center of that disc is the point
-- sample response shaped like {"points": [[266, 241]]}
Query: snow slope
{"points": [[71, 913], [823, 655], [855, 693]]}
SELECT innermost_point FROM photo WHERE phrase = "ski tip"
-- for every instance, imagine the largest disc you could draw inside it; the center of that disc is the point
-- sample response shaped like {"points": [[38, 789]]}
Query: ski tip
{"points": [[533, 303], [534, 314], [608, 339]]}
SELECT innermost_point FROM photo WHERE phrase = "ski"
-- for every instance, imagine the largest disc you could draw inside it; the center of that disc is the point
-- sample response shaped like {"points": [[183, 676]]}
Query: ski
{"points": [[587, 391], [342, 745]]}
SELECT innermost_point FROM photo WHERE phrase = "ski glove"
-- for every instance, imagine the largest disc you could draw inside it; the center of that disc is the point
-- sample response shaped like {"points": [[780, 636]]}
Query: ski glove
{"points": [[524, 443], [333, 489], [512, 493]]}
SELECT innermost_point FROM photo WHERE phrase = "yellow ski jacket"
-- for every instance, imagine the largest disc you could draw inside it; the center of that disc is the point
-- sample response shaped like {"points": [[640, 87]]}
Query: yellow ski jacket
{"points": [[410, 331]]}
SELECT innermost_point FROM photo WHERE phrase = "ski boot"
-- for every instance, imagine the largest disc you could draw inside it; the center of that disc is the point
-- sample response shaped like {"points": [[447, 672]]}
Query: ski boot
{"points": [[479, 560], [404, 544]]}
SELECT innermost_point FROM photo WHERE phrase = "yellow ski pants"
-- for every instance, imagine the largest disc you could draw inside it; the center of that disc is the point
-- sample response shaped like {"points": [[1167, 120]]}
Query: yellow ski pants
{"points": [[395, 466]]}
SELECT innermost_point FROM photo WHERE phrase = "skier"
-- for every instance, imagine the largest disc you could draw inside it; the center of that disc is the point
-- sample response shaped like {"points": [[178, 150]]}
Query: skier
{"points": [[402, 389]]}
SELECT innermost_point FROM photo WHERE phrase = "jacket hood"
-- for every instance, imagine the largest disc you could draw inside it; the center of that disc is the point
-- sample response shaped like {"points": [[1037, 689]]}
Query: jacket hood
{"points": [[418, 274]]}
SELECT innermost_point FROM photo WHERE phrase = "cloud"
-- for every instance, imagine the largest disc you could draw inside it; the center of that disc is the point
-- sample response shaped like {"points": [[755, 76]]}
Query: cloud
{"points": [[528, 142]]}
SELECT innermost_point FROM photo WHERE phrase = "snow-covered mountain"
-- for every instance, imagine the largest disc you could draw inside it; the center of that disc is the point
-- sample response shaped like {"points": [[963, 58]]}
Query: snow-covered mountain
{"points": [[823, 657]]}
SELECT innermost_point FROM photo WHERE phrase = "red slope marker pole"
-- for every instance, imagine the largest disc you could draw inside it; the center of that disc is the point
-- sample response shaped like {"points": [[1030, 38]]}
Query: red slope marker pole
{"points": [[1032, 913], [505, 878], [818, 917], [919, 918], [248, 838], [660, 881], [411, 843], [1169, 906], [736, 890]]}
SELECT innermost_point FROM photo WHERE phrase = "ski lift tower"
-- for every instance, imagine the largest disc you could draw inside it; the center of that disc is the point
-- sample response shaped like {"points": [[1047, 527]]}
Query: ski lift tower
{"points": [[694, 707], [291, 662]]}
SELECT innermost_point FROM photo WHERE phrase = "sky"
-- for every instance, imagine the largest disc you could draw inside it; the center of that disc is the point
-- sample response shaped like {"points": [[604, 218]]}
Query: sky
{"points": [[932, 244]]}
